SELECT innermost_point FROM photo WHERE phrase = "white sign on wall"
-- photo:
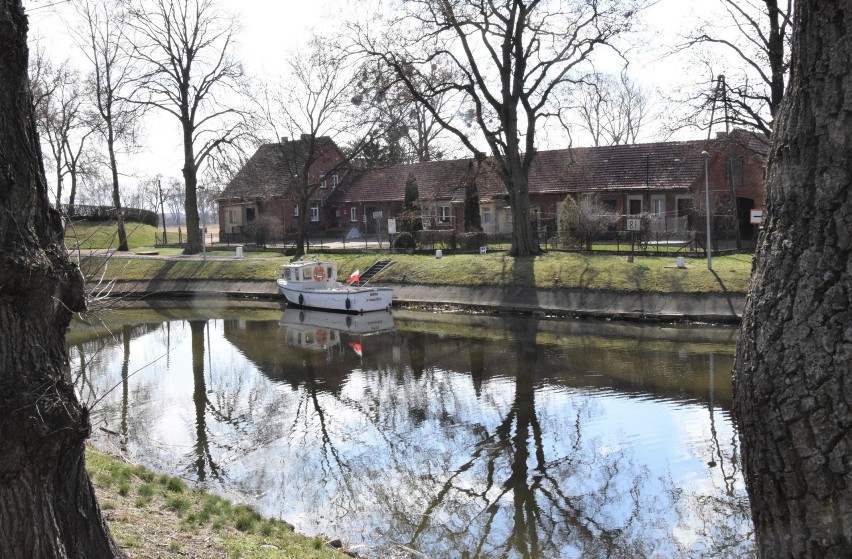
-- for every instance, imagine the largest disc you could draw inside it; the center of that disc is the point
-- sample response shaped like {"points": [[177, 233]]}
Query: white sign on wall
{"points": [[756, 216], [391, 226], [634, 224]]}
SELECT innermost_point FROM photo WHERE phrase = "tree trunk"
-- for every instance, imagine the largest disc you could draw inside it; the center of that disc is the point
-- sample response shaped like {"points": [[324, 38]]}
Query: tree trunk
{"points": [[116, 193], [47, 504], [517, 183], [301, 227], [793, 387], [190, 176]]}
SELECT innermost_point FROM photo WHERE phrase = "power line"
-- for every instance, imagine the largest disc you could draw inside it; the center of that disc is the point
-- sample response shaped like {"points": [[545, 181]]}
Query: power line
{"points": [[48, 5]]}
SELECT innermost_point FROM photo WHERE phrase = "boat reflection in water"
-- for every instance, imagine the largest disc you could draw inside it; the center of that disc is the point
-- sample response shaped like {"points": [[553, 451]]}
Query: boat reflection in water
{"points": [[315, 330]]}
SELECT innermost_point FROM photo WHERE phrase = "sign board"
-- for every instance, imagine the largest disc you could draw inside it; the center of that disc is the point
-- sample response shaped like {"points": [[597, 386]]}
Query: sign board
{"points": [[377, 215], [391, 226], [634, 224], [756, 216]]}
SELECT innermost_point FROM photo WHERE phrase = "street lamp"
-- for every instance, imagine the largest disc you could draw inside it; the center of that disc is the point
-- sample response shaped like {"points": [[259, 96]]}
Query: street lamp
{"points": [[707, 210]]}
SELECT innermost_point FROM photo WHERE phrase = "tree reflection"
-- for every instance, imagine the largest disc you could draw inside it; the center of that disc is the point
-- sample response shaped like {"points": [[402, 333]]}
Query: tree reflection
{"points": [[125, 386], [492, 444], [553, 500], [203, 458]]}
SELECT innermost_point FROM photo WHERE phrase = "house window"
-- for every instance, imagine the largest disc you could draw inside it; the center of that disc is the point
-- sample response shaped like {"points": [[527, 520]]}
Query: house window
{"points": [[295, 210], [684, 205], [315, 211], [335, 180], [353, 214], [486, 215], [323, 183], [735, 172], [444, 214], [658, 205], [232, 216], [634, 205]]}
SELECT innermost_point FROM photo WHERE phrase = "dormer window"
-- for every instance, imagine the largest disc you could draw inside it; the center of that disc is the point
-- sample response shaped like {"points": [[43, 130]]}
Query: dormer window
{"points": [[335, 180], [323, 184]]}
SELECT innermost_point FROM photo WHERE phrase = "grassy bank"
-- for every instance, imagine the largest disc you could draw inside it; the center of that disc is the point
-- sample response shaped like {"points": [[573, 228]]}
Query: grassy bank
{"points": [[554, 269], [156, 516], [99, 235]]}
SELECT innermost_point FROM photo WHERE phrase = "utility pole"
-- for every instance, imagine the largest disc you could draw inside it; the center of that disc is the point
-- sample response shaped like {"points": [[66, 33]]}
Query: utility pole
{"points": [[162, 209], [707, 210]]}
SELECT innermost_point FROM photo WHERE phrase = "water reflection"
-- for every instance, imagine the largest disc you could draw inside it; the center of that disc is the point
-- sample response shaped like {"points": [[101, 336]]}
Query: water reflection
{"points": [[454, 437]]}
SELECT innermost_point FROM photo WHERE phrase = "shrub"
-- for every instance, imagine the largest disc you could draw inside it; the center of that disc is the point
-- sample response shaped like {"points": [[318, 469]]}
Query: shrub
{"points": [[446, 238], [579, 224], [471, 241], [264, 230], [404, 240]]}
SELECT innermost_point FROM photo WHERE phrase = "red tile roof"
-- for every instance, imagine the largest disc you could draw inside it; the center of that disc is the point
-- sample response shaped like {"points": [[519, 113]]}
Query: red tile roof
{"points": [[271, 171], [658, 166]]}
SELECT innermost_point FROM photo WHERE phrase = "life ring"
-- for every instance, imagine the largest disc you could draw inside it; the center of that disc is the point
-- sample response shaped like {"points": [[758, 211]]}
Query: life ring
{"points": [[319, 273], [321, 336]]}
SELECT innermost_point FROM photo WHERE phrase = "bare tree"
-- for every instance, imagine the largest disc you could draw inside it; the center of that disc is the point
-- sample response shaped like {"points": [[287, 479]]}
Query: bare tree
{"points": [[81, 162], [513, 57], [186, 47], [316, 103], [755, 35], [794, 354], [104, 40], [59, 112], [47, 503], [612, 110], [411, 134]]}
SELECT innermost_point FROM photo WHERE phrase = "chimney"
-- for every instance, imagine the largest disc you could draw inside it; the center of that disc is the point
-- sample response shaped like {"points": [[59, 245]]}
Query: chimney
{"points": [[284, 139], [721, 135]]}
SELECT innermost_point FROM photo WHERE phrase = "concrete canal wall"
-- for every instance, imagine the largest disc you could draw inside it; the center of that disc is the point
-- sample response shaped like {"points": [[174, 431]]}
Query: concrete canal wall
{"points": [[704, 307]]}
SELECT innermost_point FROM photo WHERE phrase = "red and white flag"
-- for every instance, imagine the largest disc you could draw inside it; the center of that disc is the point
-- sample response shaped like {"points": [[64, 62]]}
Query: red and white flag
{"points": [[356, 348], [356, 275]]}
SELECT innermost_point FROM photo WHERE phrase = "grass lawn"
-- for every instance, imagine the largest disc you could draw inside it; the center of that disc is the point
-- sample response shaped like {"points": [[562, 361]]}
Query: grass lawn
{"points": [[103, 235], [153, 515], [554, 269]]}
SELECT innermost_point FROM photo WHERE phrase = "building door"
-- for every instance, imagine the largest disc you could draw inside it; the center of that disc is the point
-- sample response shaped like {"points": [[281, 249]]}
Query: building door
{"points": [[684, 210], [744, 207]]}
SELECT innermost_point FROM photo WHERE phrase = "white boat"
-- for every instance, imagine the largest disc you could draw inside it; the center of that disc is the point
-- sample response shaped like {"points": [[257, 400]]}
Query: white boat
{"points": [[314, 285]]}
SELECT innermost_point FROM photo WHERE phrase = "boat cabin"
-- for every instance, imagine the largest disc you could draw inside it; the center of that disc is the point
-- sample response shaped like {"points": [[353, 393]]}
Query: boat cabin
{"points": [[309, 271]]}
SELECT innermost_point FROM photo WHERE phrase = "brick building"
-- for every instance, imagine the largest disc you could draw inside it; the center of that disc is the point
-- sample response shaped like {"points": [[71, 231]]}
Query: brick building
{"points": [[664, 180]]}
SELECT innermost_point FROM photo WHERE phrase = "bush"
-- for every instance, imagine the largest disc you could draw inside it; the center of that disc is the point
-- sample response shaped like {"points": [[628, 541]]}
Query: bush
{"points": [[471, 241], [404, 240], [580, 224], [108, 213], [446, 238], [264, 229]]}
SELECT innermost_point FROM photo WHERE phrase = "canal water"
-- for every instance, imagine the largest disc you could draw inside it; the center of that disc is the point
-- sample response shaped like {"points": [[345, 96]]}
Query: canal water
{"points": [[419, 434]]}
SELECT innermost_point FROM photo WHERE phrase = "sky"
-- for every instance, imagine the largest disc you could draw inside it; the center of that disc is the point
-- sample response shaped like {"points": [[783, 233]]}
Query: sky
{"points": [[272, 28]]}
